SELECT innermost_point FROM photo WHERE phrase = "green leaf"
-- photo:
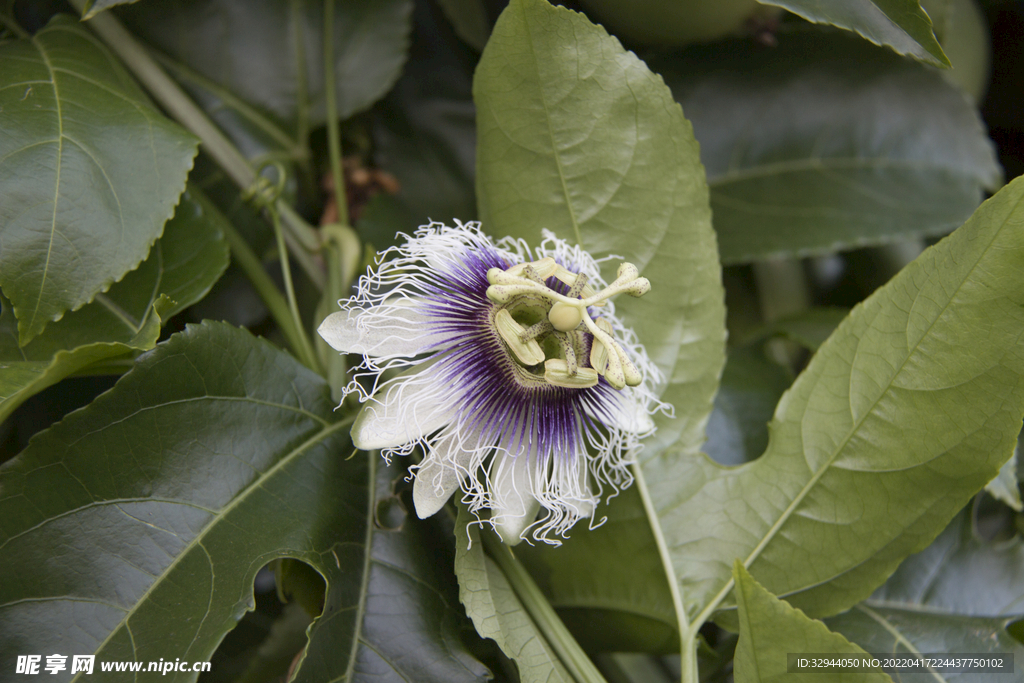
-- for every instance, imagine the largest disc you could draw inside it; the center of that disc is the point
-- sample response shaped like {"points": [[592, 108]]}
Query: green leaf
{"points": [[576, 135], [261, 64], [770, 629], [181, 268], [469, 18], [957, 595], [89, 172], [885, 149], [899, 24], [909, 408], [497, 612], [94, 7], [164, 497]]}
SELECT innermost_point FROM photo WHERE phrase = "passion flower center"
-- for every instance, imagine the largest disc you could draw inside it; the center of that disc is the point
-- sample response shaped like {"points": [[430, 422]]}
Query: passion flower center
{"points": [[541, 325]]}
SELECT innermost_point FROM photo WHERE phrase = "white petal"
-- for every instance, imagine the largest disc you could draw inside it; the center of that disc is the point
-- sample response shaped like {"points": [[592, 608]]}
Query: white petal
{"points": [[626, 413], [448, 463], [405, 409], [578, 497], [389, 330], [515, 507]]}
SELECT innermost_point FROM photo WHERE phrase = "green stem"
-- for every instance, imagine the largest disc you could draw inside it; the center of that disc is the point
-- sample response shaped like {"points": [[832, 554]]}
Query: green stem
{"points": [[333, 134], [165, 91], [305, 350], [243, 255], [301, 82], [542, 613]]}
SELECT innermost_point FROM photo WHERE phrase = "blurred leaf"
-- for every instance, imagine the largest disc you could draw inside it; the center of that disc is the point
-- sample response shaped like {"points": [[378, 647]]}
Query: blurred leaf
{"points": [[899, 24], [908, 409], [94, 7], [274, 656], [960, 574], [770, 628], [425, 135], [957, 595], [497, 612], [181, 267], [261, 64], [901, 631], [809, 328], [469, 18], [89, 172], [751, 387], [261, 140], [827, 143], [164, 497], [256, 134]]}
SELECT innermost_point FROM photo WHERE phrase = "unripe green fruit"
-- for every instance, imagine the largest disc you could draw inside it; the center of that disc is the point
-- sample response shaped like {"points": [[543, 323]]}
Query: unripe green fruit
{"points": [[671, 23], [963, 33]]}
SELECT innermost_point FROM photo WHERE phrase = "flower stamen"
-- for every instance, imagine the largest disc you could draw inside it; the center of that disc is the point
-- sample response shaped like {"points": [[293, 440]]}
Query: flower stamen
{"points": [[528, 352]]}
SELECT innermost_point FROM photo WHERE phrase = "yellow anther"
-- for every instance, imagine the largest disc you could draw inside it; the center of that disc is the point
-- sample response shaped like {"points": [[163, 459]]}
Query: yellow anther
{"points": [[529, 352], [630, 374], [569, 278], [565, 317], [627, 272], [556, 372], [502, 294], [544, 268], [639, 287], [598, 351]]}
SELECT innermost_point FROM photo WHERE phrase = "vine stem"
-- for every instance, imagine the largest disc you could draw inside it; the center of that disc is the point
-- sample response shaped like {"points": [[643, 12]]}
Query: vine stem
{"points": [[333, 134], [246, 259], [305, 348], [304, 239], [687, 633], [542, 613]]}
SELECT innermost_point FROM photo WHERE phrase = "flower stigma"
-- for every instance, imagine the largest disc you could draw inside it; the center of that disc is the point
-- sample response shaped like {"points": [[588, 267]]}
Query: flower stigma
{"points": [[508, 367]]}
